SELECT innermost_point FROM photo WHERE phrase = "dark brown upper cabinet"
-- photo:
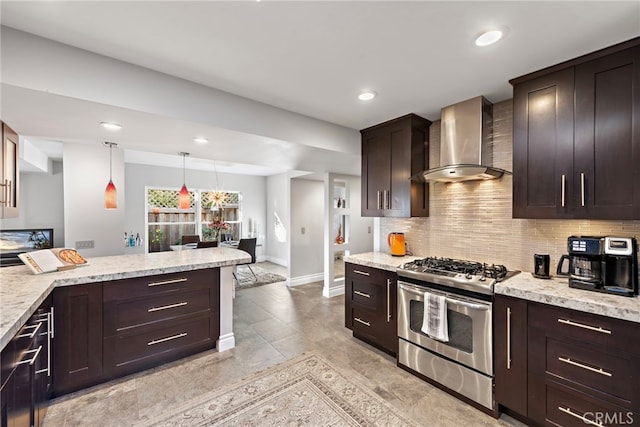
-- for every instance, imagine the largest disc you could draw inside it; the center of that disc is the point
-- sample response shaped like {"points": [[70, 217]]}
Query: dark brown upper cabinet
{"points": [[576, 138], [391, 153], [10, 149]]}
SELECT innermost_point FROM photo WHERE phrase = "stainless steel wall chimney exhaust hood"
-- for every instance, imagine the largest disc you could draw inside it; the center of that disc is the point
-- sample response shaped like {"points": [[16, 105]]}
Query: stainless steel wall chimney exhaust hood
{"points": [[466, 144]]}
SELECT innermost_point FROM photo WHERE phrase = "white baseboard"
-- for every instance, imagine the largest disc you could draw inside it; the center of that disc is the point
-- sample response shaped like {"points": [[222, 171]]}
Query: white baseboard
{"points": [[333, 292], [303, 280], [279, 261], [226, 342]]}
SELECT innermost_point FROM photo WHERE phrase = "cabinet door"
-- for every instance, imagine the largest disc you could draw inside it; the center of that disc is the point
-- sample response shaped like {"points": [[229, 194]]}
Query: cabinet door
{"points": [[376, 171], [10, 176], [77, 349], [510, 335], [389, 328], [607, 139], [543, 146]]}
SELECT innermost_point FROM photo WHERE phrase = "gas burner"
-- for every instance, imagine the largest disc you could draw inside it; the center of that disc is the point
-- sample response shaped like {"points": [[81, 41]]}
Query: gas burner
{"points": [[458, 273]]}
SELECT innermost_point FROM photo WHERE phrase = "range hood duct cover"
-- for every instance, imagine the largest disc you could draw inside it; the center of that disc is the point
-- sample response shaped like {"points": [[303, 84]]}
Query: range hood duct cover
{"points": [[466, 144]]}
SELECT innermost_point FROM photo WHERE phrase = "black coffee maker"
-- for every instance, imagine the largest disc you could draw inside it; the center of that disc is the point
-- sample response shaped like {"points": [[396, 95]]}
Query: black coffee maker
{"points": [[602, 264]]}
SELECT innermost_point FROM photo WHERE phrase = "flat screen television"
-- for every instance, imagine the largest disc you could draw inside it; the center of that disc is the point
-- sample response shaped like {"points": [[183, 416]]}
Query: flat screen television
{"points": [[15, 242]]}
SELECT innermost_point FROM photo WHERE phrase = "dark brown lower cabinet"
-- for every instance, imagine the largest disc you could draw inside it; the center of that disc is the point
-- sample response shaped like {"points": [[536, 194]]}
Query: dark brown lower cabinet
{"points": [[25, 379], [510, 335], [371, 305], [77, 342], [115, 328], [580, 368]]}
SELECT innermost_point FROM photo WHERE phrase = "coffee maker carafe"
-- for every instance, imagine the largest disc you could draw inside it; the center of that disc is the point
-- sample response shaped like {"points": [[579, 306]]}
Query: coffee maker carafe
{"points": [[603, 264]]}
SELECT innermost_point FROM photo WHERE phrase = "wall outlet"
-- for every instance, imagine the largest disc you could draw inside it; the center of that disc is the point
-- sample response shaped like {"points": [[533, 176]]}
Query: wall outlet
{"points": [[85, 244], [303, 230], [369, 229]]}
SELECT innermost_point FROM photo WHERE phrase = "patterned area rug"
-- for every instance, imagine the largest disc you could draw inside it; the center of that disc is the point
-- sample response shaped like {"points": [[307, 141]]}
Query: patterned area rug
{"points": [[305, 390], [246, 279]]}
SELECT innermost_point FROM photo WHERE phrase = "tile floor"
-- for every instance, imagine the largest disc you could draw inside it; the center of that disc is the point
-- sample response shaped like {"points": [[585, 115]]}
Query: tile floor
{"points": [[272, 324]]}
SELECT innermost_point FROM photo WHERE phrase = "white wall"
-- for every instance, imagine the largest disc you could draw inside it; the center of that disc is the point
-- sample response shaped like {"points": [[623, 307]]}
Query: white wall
{"points": [[307, 207], [278, 202], [86, 174], [253, 189], [41, 203]]}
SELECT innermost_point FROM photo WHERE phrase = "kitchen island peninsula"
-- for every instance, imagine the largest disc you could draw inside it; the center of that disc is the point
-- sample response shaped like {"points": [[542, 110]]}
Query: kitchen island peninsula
{"points": [[112, 317]]}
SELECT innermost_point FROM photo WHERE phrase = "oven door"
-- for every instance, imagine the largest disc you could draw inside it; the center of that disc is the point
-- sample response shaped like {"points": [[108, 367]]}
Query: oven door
{"points": [[469, 326]]}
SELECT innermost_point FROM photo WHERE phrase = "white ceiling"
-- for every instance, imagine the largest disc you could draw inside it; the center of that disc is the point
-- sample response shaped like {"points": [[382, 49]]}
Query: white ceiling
{"points": [[314, 57]]}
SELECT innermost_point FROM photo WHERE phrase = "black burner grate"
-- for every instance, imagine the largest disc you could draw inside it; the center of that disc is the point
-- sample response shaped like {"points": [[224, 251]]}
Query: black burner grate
{"points": [[451, 266]]}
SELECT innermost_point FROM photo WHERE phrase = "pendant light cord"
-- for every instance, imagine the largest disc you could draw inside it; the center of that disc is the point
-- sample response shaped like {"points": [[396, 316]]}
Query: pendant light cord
{"points": [[110, 161]]}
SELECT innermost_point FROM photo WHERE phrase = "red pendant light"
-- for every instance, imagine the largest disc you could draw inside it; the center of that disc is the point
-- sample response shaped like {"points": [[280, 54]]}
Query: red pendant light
{"points": [[110, 194], [184, 199]]}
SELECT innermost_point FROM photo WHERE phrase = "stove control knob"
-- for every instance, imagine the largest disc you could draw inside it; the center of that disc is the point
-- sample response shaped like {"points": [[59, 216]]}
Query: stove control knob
{"points": [[483, 278], [468, 276]]}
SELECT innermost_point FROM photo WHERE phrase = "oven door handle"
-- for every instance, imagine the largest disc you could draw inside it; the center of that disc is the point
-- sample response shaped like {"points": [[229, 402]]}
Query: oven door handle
{"points": [[419, 292]]}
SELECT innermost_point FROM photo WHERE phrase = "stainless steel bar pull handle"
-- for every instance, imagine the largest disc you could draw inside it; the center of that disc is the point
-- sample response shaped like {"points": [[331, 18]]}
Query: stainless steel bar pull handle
{"points": [[387, 200], [357, 319], [166, 307], [52, 329], [388, 300], [33, 332], [33, 359], [362, 294], [580, 417], [508, 337], [4, 200], [582, 188], [583, 326], [364, 273], [167, 282], [173, 337], [379, 205], [564, 181], [583, 366]]}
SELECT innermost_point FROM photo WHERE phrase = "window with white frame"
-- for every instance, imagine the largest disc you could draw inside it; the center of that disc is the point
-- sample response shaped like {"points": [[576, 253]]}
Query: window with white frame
{"points": [[213, 215]]}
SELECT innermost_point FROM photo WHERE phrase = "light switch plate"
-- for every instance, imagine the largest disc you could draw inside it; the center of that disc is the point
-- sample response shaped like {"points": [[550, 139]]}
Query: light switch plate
{"points": [[85, 244]]}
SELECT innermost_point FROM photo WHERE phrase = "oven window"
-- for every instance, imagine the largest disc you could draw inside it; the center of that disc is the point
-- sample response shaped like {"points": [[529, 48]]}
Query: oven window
{"points": [[460, 327]]}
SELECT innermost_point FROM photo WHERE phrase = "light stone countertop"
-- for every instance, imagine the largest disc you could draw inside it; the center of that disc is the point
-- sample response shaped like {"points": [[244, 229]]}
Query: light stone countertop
{"points": [[381, 260], [555, 291], [22, 292]]}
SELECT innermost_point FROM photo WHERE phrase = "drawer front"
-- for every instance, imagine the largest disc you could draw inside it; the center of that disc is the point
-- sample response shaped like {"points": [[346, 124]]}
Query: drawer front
{"points": [[367, 294], [132, 352], [120, 290], [565, 408], [605, 332], [122, 316], [612, 374], [366, 322], [358, 272]]}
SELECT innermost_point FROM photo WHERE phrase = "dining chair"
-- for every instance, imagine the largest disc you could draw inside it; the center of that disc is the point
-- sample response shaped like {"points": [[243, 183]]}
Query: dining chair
{"points": [[207, 244], [190, 238], [249, 246]]}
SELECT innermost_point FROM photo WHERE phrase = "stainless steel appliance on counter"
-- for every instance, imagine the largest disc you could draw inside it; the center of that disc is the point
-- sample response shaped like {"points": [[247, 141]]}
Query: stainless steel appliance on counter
{"points": [[603, 264], [463, 362]]}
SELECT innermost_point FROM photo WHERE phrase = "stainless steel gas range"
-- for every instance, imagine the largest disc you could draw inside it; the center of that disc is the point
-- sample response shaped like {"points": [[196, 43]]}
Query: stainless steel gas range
{"points": [[456, 297]]}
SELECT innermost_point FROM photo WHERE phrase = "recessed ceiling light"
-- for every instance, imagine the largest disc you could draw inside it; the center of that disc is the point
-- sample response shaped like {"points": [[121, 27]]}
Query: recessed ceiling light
{"points": [[200, 140], [488, 37], [111, 126], [367, 95]]}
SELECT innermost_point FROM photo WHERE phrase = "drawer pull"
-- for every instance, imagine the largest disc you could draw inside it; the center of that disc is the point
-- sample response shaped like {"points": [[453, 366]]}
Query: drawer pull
{"points": [[33, 359], [167, 282], [588, 368], [166, 307], [362, 294], [583, 326], [364, 273], [173, 337], [580, 417], [361, 321], [33, 333], [388, 300]]}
